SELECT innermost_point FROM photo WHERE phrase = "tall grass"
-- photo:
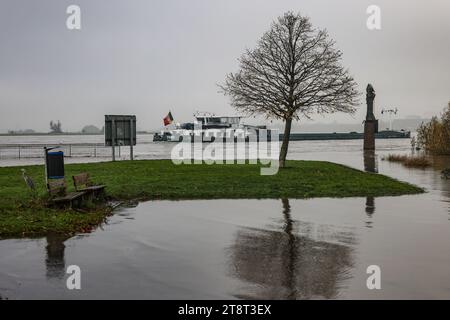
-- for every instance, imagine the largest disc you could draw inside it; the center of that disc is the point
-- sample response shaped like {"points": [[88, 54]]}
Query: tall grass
{"points": [[397, 158], [434, 136], [417, 162], [410, 161]]}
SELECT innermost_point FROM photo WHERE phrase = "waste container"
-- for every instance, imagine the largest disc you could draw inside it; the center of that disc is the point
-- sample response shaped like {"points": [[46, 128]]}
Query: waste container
{"points": [[54, 164]]}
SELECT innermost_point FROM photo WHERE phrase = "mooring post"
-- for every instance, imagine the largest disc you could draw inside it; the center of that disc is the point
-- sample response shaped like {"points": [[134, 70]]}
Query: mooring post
{"points": [[370, 124]]}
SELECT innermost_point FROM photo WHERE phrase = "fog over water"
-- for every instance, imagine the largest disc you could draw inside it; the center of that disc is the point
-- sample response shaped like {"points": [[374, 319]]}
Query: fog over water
{"points": [[146, 57]]}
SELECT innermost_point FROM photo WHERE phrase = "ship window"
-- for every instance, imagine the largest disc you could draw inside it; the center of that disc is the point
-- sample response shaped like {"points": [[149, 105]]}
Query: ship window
{"points": [[213, 120]]}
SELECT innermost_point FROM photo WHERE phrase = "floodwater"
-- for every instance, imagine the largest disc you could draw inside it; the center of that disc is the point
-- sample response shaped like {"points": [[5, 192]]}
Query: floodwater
{"points": [[73, 149], [262, 249]]}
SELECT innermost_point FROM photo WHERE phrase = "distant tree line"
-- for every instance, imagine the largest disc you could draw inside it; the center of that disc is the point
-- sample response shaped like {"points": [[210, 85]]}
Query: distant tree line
{"points": [[434, 136], [56, 127], [26, 131], [91, 129]]}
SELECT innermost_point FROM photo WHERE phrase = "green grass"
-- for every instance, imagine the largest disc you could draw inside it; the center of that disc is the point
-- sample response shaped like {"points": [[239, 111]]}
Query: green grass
{"points": [[21, 215]]}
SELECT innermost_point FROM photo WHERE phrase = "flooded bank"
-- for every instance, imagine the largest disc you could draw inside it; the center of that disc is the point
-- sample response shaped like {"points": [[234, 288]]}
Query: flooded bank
{"points": [[262, 249]]}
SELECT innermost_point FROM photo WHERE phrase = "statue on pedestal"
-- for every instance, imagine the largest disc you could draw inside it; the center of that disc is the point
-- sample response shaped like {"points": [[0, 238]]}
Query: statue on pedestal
{"points": [[370, 124], [370, 96]]}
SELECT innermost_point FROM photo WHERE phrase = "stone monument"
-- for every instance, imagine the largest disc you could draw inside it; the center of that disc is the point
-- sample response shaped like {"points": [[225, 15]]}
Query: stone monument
{"points": [[370, 124]]}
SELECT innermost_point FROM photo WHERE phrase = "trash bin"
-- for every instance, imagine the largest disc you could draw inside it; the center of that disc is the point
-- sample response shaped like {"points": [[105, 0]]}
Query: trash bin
{"points": [[54, 164]]}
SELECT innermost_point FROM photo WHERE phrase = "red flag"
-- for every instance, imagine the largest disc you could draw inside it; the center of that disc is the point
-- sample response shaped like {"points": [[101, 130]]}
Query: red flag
{"points": [[168, 119]]}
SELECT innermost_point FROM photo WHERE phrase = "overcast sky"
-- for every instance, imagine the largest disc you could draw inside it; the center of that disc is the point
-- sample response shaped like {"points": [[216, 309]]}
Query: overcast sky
{"points": [[146, 57]]}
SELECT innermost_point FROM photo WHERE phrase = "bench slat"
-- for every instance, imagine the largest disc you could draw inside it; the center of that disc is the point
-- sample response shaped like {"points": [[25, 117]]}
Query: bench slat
{"points": [[93, 188], [69, 197]]}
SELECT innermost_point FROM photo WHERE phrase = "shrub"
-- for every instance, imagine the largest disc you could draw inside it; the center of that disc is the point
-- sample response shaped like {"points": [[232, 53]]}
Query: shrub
{"points": [[434, 136]]}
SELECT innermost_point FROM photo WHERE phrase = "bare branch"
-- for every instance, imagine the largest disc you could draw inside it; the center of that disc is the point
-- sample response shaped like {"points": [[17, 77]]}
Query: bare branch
{"points": [[294, 71]]}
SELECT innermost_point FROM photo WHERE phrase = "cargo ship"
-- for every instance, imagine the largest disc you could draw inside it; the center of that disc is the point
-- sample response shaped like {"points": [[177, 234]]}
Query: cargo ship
{"points": [[214, 127]]}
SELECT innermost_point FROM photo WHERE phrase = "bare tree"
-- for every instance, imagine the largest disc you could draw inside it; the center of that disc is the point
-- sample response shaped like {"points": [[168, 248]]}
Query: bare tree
{"points": [[294, 71], [55, 127]]}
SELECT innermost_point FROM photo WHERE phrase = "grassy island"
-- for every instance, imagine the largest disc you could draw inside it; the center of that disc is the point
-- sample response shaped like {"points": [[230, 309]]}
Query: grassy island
{"points": [[24, 214]]}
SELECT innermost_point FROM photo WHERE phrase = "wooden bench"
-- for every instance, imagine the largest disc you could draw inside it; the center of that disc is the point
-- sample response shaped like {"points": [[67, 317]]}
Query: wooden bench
{"points": [[57, 189], [83, 183]]}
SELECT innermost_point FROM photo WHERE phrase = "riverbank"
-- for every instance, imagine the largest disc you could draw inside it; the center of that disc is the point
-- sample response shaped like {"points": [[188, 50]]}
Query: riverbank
{"points": [[55, 134], [20, 215]]}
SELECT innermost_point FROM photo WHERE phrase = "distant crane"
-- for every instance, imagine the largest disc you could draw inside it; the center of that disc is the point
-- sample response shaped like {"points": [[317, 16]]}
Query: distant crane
{"points": [[390, 112], [28, 180]]}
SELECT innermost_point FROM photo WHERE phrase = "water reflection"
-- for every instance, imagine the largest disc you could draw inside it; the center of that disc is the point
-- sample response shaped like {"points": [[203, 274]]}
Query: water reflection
{"points": [[439, 183], [55, 262], [291, 263], [370, 210], [370, 165]]}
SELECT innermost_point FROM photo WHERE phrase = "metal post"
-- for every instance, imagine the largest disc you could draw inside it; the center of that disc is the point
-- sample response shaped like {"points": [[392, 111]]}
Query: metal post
{"points": [[131, 139], [19, 152], [46, 160], [95, 151], [113, 139]]}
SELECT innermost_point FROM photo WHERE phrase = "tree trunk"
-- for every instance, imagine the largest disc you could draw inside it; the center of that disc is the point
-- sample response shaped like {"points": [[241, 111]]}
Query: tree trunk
{"points": [[285, 144]]}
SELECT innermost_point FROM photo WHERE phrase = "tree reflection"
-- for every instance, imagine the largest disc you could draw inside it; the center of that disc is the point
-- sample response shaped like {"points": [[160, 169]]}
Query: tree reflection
{"points": [[291, 263]]}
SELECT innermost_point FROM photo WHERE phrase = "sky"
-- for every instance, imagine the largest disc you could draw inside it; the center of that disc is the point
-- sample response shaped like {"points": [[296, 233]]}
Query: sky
{"points": [[146, 57]]}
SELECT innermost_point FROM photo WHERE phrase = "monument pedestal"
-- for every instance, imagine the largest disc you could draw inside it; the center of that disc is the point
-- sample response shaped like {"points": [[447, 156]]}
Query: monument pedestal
{"points": [[370, 127]]}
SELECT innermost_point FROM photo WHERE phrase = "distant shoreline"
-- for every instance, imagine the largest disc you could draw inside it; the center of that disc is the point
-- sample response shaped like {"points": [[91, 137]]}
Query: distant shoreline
{"points": [[59, 134]]}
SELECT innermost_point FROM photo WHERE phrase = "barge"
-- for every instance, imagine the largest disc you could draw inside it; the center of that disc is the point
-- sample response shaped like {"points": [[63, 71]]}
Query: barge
{"points": [[387, 134], [215, 128]]}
